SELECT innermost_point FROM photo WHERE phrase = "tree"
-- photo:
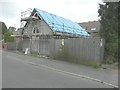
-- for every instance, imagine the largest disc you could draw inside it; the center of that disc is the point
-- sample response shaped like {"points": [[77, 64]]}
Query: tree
{"points": [[109, 14], [118, 32], [3, 27], [8, 37]]}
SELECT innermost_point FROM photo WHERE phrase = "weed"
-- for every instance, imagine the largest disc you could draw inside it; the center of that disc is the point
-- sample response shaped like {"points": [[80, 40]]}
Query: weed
{"points": [[95, 66]]}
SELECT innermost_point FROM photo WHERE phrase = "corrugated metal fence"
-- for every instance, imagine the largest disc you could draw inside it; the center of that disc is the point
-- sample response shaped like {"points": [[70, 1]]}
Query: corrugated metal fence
{"points": [[85, 50], [79, 50]]}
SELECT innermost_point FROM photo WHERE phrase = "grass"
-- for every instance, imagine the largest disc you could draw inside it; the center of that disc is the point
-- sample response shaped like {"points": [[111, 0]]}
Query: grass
{"points": [[34, 55], [95, 66]]}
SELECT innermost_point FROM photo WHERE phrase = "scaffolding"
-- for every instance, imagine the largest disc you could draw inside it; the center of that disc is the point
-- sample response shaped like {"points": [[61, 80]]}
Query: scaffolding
{"points": [[26, 16]]}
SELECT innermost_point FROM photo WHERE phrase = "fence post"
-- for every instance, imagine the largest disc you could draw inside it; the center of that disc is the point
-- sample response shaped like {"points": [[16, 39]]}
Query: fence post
{"points": [[30, 45], [39, 45], [15, 45]]}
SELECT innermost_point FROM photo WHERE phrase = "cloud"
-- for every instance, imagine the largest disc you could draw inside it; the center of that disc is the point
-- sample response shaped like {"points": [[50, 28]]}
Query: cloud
{"points": [[9, 9], [75, 10]]}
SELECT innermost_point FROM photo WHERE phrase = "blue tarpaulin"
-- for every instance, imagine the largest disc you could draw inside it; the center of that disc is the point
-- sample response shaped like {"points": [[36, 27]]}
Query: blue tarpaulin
{"points": [[59, 24]]}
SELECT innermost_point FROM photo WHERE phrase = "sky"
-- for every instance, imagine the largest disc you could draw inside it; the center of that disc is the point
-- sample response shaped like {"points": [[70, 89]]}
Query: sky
{"points": [[75, 10]]}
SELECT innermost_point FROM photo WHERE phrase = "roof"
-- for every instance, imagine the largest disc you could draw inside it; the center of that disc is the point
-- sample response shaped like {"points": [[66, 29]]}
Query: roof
{"points": [[91, 25], [59, 24]]}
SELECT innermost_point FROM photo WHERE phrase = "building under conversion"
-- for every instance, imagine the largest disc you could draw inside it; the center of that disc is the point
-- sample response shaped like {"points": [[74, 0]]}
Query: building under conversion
{"points": [[44, 23], [50, 35]]}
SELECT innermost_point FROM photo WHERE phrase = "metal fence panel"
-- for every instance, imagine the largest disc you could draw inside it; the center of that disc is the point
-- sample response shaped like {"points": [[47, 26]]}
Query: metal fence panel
{"points": [[44, 46], [26, 44], [11, 45], [79, 50], [84, 50]]}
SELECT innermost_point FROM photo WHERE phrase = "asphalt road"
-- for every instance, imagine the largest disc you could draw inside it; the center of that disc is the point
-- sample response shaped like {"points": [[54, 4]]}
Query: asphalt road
{"points": [[17, 72]]}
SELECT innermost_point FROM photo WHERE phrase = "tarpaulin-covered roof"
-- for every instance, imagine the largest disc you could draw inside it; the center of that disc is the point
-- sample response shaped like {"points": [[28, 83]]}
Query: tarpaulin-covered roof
{"points": [[59, 24]]}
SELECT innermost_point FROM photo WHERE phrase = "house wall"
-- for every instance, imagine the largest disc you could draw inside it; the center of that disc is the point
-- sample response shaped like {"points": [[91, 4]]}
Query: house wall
{"points": [[40, 24]]}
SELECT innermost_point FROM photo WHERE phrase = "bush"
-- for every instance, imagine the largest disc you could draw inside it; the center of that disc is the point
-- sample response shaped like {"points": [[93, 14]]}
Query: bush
{"points": [[8, 38]]}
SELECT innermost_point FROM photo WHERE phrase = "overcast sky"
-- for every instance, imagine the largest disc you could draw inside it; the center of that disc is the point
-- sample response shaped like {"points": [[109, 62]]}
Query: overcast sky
{"points": [[75, 10]]}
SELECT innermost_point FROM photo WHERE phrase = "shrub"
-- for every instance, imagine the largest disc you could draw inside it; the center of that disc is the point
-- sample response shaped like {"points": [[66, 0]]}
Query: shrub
{"points": [[8, 37]]}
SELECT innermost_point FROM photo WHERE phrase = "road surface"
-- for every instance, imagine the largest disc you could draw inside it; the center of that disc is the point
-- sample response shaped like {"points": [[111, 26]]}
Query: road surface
{"points": [[20, 71]]}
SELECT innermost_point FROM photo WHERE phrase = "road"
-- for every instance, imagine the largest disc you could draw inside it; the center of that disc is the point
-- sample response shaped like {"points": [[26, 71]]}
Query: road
{"points": [[20, 71]]}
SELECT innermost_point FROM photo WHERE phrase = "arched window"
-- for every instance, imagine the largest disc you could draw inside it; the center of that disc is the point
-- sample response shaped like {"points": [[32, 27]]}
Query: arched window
{"points": [[22, 31], [35, 30]]}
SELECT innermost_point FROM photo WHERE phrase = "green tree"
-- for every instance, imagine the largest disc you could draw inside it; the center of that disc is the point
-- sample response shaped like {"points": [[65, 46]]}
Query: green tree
{"points": [[3, 27], [108, 13], [8, 37], [118, 31]]}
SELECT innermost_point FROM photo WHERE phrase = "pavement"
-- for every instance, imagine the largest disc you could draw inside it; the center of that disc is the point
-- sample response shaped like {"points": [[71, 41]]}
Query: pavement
{"points": [[31, 72]]}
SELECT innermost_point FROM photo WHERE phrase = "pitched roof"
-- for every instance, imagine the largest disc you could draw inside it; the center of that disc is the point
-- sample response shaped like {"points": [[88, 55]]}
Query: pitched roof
{"points": [[59, 24], [90, 25]]}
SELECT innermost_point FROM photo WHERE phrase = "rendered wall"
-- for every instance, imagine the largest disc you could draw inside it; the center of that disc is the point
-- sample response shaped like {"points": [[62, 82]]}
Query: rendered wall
{"points": [[41, 25]]}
